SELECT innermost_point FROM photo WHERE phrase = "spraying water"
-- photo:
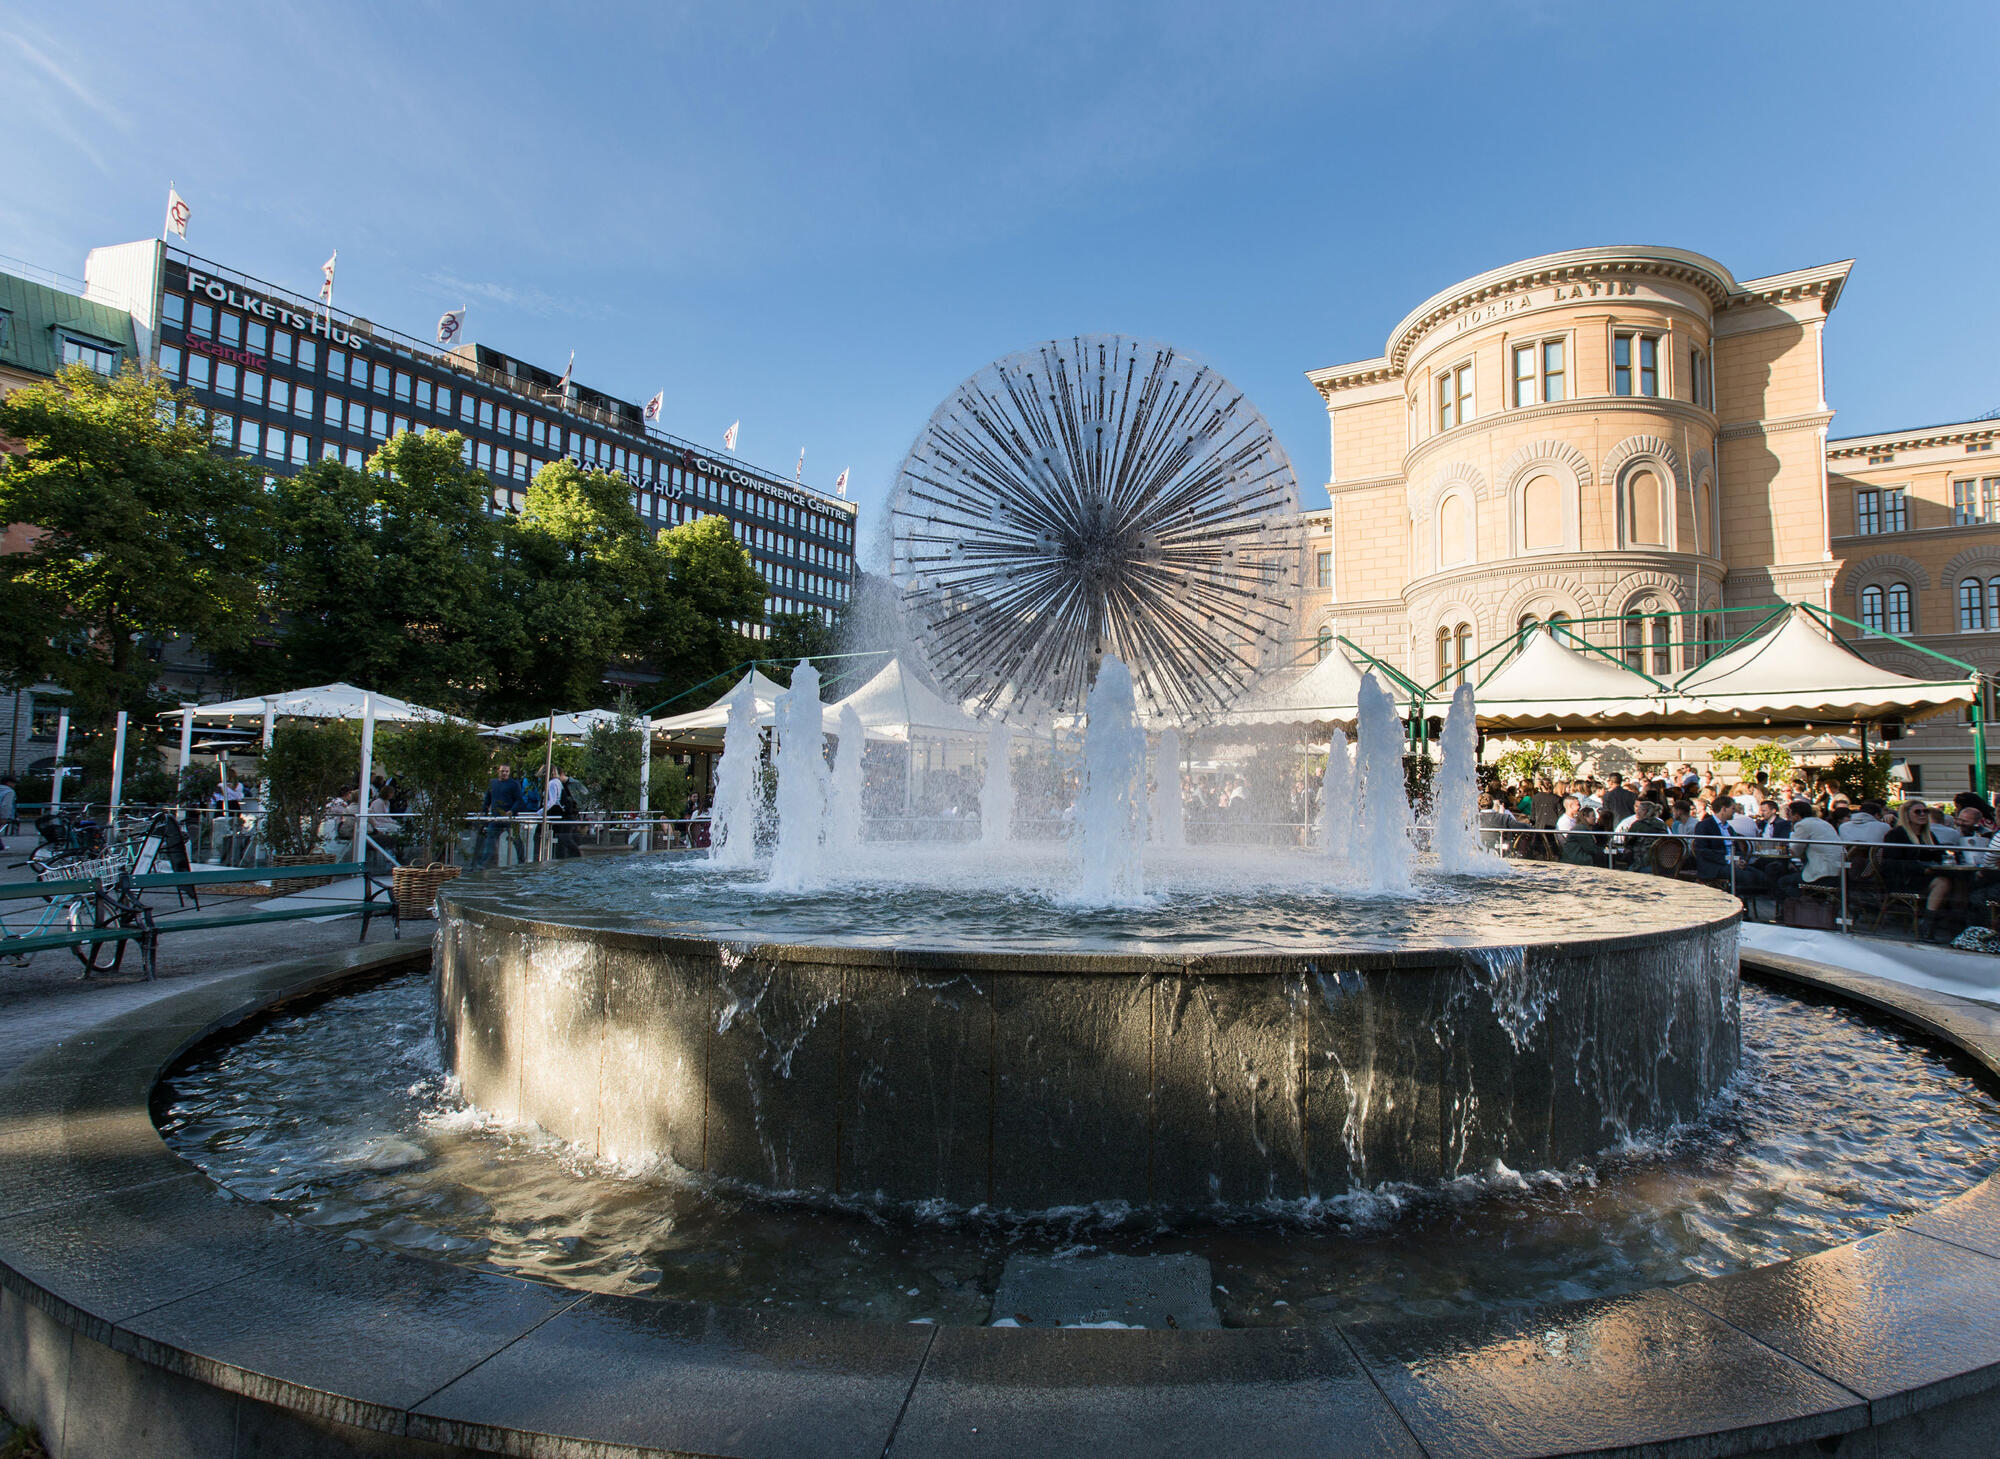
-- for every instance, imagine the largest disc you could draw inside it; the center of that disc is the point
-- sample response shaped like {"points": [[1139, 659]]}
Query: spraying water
{"points": [[1337, 808], [996, 792], [1383, 848], [732, 829], [796, 865], [843, 805], [1111, 816], [1455, 833], [1169, 828]]}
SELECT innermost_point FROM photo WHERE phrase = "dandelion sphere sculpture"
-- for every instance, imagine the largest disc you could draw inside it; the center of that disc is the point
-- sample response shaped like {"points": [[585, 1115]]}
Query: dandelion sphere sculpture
{"points": [[1091, 496]]}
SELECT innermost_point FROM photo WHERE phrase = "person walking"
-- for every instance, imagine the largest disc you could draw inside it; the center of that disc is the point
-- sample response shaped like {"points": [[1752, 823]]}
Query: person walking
{"points": [[564, 812], [503, 799]]}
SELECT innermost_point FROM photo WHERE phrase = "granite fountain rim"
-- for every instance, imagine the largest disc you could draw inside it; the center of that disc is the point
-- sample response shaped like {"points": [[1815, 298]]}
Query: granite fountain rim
{"points": [[138, 1262], [465, 897]]}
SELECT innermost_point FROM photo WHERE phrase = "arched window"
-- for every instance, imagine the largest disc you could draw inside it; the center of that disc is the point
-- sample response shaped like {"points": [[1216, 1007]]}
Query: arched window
{"points": [[1454, 652], [1871, 609], [1464, 650], [1971, 606], [1993, 602], [1446, 646], [1648, 640], [1646, 514], [1634, 635], [1559, 628], [1704, 519], [1898, 616], [1454, 544], [1663, 639], [1541, 515], [1525, 625], [1322, 645]]}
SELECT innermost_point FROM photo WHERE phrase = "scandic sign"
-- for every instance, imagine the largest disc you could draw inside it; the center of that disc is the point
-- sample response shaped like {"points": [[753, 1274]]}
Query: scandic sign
{"points": [[223, 352]]}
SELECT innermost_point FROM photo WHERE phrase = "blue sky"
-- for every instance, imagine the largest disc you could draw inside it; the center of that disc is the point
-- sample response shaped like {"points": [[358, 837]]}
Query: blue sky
{"points": [[820, 218]]}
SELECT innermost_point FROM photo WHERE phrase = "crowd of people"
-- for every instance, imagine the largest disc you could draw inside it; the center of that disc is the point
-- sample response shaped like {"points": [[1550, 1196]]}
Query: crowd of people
{"points": [[1763, 840]]}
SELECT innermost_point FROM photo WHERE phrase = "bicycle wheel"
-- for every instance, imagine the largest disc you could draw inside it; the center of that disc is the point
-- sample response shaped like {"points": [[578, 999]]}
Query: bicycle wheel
{"points": [[96, 957]]}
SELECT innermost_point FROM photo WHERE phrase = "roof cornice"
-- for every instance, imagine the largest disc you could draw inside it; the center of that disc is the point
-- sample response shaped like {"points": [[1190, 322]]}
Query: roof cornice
{"points": [[1823, 281], [1914, 438]]}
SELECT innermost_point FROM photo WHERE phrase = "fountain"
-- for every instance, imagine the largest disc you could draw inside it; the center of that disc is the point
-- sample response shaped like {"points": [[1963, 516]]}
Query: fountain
{"points": [[1099, 535], [734, 817]]}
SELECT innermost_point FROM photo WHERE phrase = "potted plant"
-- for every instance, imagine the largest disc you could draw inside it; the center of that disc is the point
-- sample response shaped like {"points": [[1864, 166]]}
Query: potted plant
{"points": [[309, 762], [441, 765]]}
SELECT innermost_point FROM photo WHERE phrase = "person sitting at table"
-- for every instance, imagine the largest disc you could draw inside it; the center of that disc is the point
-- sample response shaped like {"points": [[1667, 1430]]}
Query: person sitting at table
{"points": [[1645, 829], [1816, 845], [1719, 847], [1579, 842], [1909, 851]]}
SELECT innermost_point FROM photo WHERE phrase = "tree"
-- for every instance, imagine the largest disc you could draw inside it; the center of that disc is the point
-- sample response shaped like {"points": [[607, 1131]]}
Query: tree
{"points": [[443, 764], [609, 768], [796, 636], [710, 583], [393, 578], [141, 531], [309, 760]]}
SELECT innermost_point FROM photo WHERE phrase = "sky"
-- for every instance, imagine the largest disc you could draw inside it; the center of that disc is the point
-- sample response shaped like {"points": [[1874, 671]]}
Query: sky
{"points": [[818, 219]]}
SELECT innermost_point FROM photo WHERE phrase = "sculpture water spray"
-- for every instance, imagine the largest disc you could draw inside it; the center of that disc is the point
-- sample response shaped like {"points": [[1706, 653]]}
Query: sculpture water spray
{"points": [[996, 792], [732, 828], [1111, 814], [1337, 808], [843, 802], [1455, 806], [1383, 848], [1169, 815], [797, 863]]}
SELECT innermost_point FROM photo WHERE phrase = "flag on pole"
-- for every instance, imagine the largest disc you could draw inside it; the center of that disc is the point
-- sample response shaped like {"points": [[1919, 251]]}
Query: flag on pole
{"points": [[451, 324], [729, 436], [654, 407], [177, 214], [562, 385], [326, 270], [799, 473], [840, 482]]}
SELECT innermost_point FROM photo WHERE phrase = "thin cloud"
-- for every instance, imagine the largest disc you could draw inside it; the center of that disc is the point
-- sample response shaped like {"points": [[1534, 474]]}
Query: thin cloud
{"points": [[524, 300]]}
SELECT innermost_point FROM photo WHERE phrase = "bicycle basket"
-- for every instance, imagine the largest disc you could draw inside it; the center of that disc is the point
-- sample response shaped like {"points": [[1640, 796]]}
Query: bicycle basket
{"points": [[95, 868]]}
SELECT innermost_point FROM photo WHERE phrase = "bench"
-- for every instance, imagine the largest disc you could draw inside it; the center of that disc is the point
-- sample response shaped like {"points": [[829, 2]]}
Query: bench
{"points": [[134, 921], [178, 881]]}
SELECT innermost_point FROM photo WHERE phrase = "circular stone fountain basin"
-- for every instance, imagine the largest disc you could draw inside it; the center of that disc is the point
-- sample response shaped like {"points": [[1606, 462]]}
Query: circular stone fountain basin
{"points": [[982, 1045]]}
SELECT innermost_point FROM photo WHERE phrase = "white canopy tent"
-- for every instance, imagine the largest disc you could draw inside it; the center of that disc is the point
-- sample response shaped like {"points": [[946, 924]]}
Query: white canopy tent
{"points": [[895, 704], [1328, 692], [572, 726], [714, 717], [1798, 674], [327, 701], [1552, 686]]}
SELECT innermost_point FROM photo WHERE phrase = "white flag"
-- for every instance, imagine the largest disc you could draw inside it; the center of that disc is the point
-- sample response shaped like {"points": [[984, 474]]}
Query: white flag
{"points": [[562, 385], [840, 482], [177, 214], [451, 324], [729, 436], [800, 473], [654, 406], [326, 269]]}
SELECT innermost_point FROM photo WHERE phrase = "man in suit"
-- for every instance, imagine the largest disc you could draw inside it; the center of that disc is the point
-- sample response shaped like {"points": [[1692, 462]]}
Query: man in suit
{"points": [[1619, 802], [1718, 846]]}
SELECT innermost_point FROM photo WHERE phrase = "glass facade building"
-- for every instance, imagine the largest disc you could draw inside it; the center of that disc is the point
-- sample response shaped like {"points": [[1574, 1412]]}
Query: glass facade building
{"points": [[288, 381]]}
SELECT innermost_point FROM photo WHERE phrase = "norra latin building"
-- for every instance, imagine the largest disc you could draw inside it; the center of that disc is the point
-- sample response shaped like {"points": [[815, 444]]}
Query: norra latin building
{"points": [[287, 381]]}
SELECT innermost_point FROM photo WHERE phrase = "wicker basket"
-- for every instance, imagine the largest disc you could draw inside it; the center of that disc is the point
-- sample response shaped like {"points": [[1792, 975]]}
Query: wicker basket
{"points": [[417, 887], [304, 883]]}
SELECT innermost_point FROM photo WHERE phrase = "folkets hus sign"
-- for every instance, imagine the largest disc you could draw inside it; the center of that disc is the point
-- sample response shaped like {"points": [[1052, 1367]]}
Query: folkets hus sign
{"points": [[234, 296]]}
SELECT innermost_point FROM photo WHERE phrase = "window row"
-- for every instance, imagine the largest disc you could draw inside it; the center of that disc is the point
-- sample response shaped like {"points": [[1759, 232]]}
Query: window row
{"points": [[1541, 376], [1975, 501], [1881, 510], [1544, 521], [1888, 607]]}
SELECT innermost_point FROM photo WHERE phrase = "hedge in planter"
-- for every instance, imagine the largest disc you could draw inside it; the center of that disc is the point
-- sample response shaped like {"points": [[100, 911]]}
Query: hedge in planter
{"points": [[443, 766], [309, 762]]}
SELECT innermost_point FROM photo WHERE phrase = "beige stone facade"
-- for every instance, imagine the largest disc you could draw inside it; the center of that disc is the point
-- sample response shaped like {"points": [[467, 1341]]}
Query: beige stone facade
{"points": [[1630, 435]]}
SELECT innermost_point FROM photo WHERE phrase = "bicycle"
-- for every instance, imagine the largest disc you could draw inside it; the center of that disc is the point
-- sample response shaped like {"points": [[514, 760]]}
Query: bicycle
{"points": [[111, 901]]}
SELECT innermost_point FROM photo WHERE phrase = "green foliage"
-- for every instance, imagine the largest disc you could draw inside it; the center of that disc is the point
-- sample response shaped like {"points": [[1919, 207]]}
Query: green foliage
{"points": [[196, 784], [710, 583], [1534, 759], [1859, 781], [150, 784], [667, 790], [142, 531], [443, 764], [308, 762], [1765, 755], [796, 636], [609, 768], [1419, 775]]}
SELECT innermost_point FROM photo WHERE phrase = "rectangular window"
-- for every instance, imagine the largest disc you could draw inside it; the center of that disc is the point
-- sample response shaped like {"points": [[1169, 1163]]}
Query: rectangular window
{"points": [[280, 395], [232, 328], [399, 425], [506, 426], [1635, 364], [225, 379], [328, 451], [1524, 375], [357, 417], [281, 347], [274, 445], [539, 434], [204, 321], [485, 457], [1964, 503], [1989, 498], [173, 310], [1455, 396], [198, 370], [1698, 386], [335, 411], [308, 354], [378, 423], [170, 362], [383, 378], [423, 395], [444, 401], [259, 340], [502, 462], [1555, 372], [99, 357], [302, 401], [403, 384], [486, 415], [301, 447], [222, 429], [354, 458], [357, 375], [253, 388], [1895, 510], [336, 364], [1325, 566], [250, 441], [465, 450], [465, 408], [1868, 512]]}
